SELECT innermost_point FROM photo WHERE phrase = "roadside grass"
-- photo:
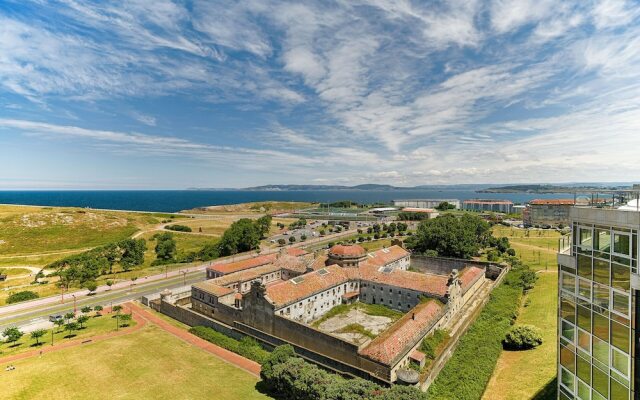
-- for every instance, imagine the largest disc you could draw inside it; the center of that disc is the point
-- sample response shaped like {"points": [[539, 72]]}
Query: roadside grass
{"points": [[522, 374], [11, 272], [95, 326], [147, 364], [48, 229]]}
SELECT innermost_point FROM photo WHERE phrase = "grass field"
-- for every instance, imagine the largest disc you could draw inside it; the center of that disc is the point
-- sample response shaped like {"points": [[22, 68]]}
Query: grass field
{"points": [[256, 207], [522, 374], [95, 326], [148, 364], [29, 230]]}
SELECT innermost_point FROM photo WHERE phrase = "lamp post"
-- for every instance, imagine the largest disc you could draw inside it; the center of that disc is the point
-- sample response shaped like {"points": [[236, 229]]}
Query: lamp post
{"points": [[184, 278], [74, 304], [52, 328]]}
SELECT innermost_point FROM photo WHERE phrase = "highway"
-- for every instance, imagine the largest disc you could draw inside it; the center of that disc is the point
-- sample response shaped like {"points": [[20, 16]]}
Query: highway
{"points": [[42, 312]]}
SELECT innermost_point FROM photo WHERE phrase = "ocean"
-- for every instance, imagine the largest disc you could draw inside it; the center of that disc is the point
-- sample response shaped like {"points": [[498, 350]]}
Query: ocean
{"points": [[177, 200]]}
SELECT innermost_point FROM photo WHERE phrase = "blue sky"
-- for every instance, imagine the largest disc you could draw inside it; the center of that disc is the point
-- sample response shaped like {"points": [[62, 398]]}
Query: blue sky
{"points": [[161, 94]]}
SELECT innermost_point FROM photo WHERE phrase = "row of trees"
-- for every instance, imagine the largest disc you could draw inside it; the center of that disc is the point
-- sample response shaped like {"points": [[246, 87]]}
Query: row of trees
{"points": [[290, 377], [88, 266]]}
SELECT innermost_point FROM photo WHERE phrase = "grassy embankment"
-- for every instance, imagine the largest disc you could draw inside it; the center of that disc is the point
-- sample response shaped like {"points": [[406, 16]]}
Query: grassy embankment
{"points": [[524, 374], [146, 364]]}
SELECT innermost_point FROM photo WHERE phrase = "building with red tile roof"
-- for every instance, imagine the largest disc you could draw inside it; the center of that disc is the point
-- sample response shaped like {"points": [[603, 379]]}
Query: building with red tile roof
{"points": [[401, 338], [394, 257], [469, 276]]}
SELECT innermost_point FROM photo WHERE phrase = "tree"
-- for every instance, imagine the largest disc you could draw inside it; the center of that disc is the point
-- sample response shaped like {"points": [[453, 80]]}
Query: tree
{"points": [[37, 334], [264, 225], [281, 242], [522, 337], [98, 310], [511, 252], [12, 334], [70, 327], [59, 323], [243, 235], [21, 296], [85, 309], [451, 236], [109, 283], [493, 255], [444, 206], [69, 316], [82, 320], [117, 309], [91, 286], [165, 247], [292, 239], [125, 319], [303, 238], [132, 252]]}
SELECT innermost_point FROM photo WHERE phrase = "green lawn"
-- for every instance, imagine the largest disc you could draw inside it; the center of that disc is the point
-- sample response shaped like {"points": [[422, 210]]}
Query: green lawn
{"points": [[95, 326], [148, 364], [370, 309], [522, 374]]}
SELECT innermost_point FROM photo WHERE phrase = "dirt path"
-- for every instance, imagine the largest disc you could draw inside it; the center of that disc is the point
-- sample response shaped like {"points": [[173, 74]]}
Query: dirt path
{"points": [[224, 354], [140, 323]]}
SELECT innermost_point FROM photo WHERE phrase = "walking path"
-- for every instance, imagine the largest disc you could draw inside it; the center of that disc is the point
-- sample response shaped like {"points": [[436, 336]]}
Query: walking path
{"points": [[224, 354], [44, 349]]}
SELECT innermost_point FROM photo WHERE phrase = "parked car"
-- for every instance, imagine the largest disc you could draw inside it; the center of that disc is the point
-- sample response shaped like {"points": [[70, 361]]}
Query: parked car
{"points": [[54, 318]]}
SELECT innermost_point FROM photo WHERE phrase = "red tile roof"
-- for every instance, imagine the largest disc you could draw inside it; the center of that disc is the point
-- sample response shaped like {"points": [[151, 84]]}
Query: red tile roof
{"points": [[417, 355], [388, 255], [213, 288], [246, 275], [287, 292], [228, 268], [353, 250], [556, 202], [420, 282], [404, 333], [487, 201], [468, 276], [350, 295], [296, 251]]}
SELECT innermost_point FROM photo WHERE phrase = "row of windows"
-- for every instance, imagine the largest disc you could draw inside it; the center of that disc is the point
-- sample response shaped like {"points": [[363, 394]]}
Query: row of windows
{"points": [[606, 240], [609, 299], [582, 378]]}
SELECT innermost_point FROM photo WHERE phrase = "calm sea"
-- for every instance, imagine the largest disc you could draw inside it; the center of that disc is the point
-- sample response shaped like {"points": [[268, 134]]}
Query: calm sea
{"points": [[176, 200]]}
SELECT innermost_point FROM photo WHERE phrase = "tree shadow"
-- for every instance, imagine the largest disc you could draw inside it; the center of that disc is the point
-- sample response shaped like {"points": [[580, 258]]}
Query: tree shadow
{"points": [[71, 335], [15, 345], [37, 344], [262, 387], [548, 392], [124, 325]]}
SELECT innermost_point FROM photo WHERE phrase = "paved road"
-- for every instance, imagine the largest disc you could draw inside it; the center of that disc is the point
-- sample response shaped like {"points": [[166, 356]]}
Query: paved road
{"points": [[42, 311]]}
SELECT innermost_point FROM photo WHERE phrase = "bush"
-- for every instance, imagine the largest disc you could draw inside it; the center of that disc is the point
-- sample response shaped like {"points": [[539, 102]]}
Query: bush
{"points": [[522, 337], [179, 228], [431, 343], [493, 255], [247, 347], [22, 296], [511, 252]]}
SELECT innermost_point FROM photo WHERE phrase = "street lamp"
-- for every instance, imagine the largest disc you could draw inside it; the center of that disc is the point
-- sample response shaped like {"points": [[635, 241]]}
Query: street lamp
{"points": [[184, 276], [74, 304], [52, 328]]}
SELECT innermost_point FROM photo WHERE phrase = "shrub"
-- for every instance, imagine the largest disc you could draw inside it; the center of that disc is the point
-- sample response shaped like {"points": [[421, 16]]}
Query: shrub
{"points": [[431, 343], [522, 337], [247, 347], [22, 296], [511, 252], [493, 255], [179, 228]]}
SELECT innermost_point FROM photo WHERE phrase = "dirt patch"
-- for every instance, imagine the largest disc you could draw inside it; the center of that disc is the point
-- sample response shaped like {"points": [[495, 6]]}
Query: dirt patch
{"points": [[371, 323]]}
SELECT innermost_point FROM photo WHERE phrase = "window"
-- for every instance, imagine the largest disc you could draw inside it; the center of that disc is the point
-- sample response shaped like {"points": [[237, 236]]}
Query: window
{"points": [[586, 237], [601, 326], [600, 350], [622, 244], [620, 302], [620, 362], [584, 342], [568, 330], [600, 381], [584, 289], [602, 240], [620, 336], [568, 282], [583, 369], [601, 271], [601, 296], [584, 266], [620, 276], [584, 318], [568, 310], [584, 391], [618, 391], [567, 379]]}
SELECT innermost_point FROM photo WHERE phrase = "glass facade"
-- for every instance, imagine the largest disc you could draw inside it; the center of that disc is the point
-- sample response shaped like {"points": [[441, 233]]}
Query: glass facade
{"points": [[597, 311]]}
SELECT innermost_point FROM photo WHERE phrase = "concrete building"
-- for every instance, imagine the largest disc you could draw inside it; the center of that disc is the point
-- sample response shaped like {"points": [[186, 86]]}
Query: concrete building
{"points": [[429, 212], [598, 306], [552, 212], [280, 300], [425, 203], [488, 205]]}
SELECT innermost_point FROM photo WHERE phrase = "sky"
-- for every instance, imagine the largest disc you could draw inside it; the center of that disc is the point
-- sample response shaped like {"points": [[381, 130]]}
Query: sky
{"points": [[158, 94]]}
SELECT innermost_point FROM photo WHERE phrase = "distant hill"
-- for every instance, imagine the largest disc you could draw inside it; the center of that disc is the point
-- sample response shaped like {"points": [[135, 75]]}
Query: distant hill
{"points": [[322, 187], [543, 188]]}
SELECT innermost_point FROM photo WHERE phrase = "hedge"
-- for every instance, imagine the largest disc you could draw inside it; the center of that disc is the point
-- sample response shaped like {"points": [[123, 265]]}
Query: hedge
{"points": [[178, 228], [467, 373], [247, 347], [22, 296]]}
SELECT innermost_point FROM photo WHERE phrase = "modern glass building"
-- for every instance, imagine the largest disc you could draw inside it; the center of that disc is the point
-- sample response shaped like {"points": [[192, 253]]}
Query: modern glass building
{"points": [[598, 284]]}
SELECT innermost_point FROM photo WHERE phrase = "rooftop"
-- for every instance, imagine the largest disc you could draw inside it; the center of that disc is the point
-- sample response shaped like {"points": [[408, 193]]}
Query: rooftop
{"points": [[487, 201], [246, 275], [556, 202], [405, 332], [420, 282], [228, 268], [468, 277], [213, 288], [353, 250], [387, 255], [419, 210]]}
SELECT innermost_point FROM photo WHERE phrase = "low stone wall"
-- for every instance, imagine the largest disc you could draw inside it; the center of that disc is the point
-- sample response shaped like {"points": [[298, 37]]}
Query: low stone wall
{"points": [[192, 318]]}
